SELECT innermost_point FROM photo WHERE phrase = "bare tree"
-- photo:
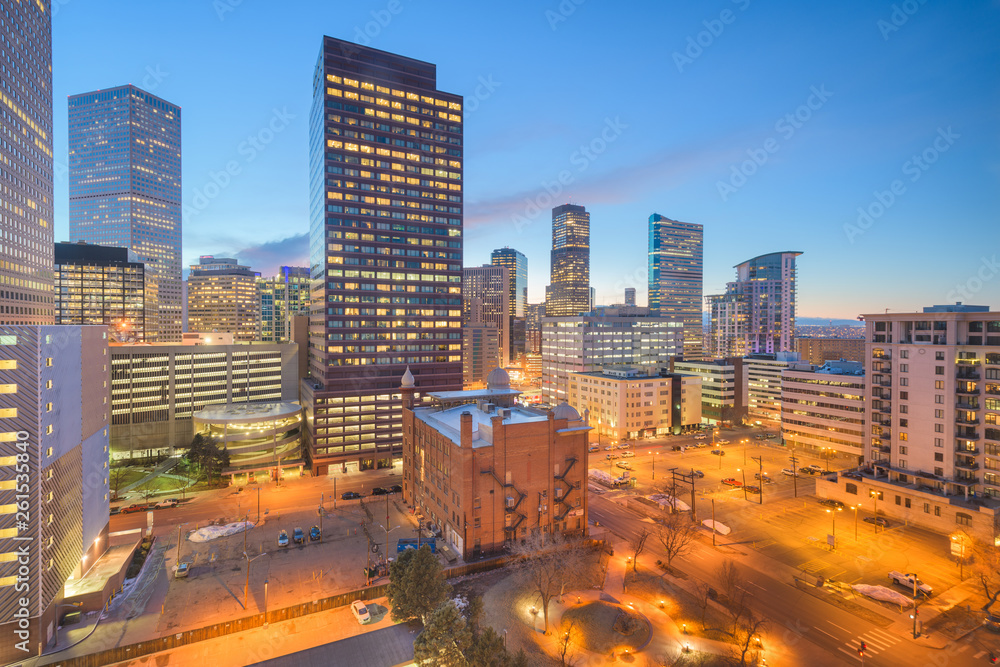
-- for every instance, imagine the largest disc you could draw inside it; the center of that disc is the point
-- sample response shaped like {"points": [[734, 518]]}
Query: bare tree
{"points": [[637, 544], [117, 477], [986, 568], [747, 635], [729, 579], [549, 561], [704, 595], [676, 534], [570, 635]]}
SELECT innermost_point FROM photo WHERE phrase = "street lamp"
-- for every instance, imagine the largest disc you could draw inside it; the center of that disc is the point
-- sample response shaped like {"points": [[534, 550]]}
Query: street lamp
{"points": [[653, 454], [960, 541], [833, 515], [855, 508], [874, 497], [913, 577]]}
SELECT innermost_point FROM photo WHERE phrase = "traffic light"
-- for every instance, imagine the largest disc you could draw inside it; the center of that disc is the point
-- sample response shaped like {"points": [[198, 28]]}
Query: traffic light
{"points": [[864, 647]]}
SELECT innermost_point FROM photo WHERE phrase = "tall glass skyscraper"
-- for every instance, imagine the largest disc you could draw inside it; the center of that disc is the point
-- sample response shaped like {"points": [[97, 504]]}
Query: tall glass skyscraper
{"points": [[756, 315], [385, 249], [675, 276], [282, 297], [125, 185], [517, 266], [569, 287], [26, 170]]}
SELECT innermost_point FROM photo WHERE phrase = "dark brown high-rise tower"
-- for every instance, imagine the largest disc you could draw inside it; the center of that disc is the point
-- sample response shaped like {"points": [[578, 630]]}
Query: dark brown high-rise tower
{"points": [[385, 249]]}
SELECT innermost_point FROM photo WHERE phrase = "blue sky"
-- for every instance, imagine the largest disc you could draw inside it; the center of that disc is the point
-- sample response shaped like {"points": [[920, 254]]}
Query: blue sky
{"points": [[771, 124]]}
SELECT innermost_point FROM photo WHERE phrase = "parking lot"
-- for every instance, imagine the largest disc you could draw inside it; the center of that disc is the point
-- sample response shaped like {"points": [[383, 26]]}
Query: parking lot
{"points": [[308, 570]]}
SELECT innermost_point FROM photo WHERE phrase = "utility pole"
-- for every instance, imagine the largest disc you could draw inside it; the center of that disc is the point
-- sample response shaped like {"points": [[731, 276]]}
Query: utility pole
{"points": [[913, 575], [713, 522], [760, 466], [322, 496], [795, 474]]}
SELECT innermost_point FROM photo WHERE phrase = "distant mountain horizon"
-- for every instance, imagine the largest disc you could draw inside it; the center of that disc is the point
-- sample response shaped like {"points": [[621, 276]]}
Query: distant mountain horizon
{"points": [[809, 322]]}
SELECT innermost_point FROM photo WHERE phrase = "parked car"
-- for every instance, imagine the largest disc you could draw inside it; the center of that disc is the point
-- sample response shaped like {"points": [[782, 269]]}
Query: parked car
{"points": [[830, 502], [624, 445], [851, 475], [697, 473], [719, 452], [133, 508], [611, 457], [350, 495], [814, 467], [395, 488], [761, 476], [164, 504], [608, 448], [182, 570], [593, 448], [878, 521], [722, 442], [624, 465], [314, 534], [906, 581], [733, 482], [298, 536], [789, 472], [380, 491], [283, 539], [627, 455], [700, 436], [752, 489], [360, 611]]}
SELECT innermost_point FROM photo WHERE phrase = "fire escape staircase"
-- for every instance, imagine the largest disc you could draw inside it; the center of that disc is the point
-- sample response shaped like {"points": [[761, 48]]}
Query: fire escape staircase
{"points": [[510, 508]]}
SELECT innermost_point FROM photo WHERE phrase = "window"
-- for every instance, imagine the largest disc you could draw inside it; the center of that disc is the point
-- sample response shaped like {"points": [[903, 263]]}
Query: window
{"points": [[939, 457], [904, 354], [904, 368], [939, 414], [906, 502], [939, 428], [937, 510], [939, 356], [48, 361], [939, 399], [927, 508], [904, 437], [939, 472], [963, 519], [904, 409], [899, 500], [904, 382], [939, 370], [48, 407], [939, 442], [939, 384], [904, 423], [902, 463], [904, 395], [902, 450], [851, 488]]}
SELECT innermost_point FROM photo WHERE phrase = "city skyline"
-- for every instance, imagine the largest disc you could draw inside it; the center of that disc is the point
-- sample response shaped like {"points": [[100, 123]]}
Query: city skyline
{"points": [[892, 98]]}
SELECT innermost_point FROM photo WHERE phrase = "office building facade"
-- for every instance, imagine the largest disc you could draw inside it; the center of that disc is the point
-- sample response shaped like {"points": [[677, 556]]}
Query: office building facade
{"points": [[480, 353], [933, 406], [756, 315], [628, 403], [821, 350], [590, 343], [125, 185], [762, 385], [629, 296], [823, 409], [386, 165], [26, 219], [486, 290], [486, 472], [282, 297], [54, 489], [722, 389], [568, 293], [223, 297], [101, 285], [676, 261], [155, 389], [517, 265]]}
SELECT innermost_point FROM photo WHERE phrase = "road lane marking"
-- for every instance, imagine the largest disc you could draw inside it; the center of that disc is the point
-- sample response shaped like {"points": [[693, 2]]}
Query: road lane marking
{"points": [[826, 633], [753, 583], [842, 628], [853, 654]]}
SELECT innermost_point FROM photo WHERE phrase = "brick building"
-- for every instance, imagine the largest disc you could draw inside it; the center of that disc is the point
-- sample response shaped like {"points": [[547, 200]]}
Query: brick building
{"points": [[485, 472]]}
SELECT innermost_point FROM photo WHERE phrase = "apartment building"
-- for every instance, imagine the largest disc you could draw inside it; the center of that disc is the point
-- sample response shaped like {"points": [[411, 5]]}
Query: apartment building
{"points": [[722, 389], [823, 408]]}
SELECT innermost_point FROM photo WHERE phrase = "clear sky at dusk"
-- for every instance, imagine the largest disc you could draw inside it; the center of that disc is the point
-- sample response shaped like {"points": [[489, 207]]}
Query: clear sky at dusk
{"points": [[769, 123]]}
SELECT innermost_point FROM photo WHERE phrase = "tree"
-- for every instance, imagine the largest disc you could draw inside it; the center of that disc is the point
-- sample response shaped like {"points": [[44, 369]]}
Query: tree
{"points": [[487, 648], [985, 567], [444, 639], [747, 635], [676, 534], [637, 544], [570, 635], [704, 595], [416, 585], [729, 579], [549, 561], [204, 452], [117, 477]]}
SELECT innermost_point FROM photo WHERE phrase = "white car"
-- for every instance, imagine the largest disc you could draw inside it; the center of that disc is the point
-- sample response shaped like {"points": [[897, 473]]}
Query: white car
{"points": [[360, 611], [625, 445], [789, 472], [608, 448], [700, 436], [906, 581], [627, 455], [813, 467], [624, 465], [722, 442]]}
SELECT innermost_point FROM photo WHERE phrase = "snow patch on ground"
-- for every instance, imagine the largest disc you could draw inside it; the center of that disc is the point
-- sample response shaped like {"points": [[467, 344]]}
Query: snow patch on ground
{"points": [[665, 501], [215, 532], [882, 593]]}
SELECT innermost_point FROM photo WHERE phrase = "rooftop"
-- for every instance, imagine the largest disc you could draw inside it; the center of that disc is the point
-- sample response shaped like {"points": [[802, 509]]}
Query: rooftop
{"points": [[448, 421], [246, 411]]}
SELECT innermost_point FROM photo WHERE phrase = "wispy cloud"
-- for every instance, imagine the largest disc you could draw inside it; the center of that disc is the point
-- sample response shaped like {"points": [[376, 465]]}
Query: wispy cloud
{"points": [[268, 256]]}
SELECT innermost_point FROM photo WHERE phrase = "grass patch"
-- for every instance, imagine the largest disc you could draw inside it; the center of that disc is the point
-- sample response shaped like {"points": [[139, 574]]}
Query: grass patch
{"points": [[680, 605], [604, 627]]}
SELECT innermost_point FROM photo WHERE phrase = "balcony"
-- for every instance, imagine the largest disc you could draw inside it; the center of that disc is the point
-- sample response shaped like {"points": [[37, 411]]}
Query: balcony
{"points": [[966, 464], [885, 382], [968, 362], [962, 420], [882, 448], [973, 437], [882, 355], [968, 389], [886, 408], [962, 449], [967, 373], [971, 407]]}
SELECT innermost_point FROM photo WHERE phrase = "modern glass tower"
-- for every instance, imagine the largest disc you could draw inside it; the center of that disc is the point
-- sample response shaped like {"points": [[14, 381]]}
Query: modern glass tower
{"points": [[125, 185], [675, 276], [756, 315], [569, 286], [282, 297], [385, 249], [26, 170], [517, 265]]}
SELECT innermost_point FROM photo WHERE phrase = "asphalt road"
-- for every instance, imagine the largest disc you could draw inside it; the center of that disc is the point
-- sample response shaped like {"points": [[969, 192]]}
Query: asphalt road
{"points": [[800, 621], [293, 495]]}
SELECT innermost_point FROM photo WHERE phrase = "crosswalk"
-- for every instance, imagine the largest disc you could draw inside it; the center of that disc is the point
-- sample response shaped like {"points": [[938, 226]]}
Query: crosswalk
{"points": [[876, 641]]}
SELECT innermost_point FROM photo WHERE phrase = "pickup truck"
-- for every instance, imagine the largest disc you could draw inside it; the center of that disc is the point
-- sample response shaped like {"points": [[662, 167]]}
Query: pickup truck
{"points": [[906, 581], [134, 508]]}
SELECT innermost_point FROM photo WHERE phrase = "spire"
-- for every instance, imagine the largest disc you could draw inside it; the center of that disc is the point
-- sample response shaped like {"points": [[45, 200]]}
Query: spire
{"points": [[407, 379]]}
